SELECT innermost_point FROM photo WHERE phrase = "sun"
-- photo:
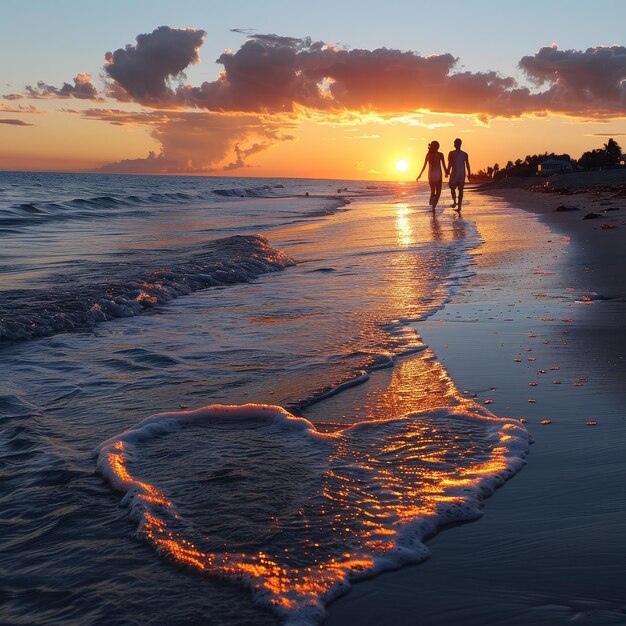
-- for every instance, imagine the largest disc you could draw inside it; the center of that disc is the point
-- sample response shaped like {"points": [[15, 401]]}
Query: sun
{"points": [[402, 165]]}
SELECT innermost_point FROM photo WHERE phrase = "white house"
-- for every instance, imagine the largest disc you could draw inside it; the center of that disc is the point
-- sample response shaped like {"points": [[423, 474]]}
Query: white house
{"points": [[551, 166]]}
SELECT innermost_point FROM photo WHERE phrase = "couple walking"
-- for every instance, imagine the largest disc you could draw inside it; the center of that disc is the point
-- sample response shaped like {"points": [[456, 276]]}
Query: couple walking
{"points": [[457, 162]]}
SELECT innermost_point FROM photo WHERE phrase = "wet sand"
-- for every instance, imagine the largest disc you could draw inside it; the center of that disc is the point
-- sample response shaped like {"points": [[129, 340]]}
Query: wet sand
{"points": [[549, 292]]}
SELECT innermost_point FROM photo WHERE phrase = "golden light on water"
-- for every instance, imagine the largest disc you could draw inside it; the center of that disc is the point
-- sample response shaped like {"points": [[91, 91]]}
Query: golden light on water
{"points": [[407, 469], [403, 226], [421, 453]]}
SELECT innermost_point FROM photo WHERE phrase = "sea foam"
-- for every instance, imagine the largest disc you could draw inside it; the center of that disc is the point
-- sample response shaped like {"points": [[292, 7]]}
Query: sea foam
{"points": [[305, 513]]}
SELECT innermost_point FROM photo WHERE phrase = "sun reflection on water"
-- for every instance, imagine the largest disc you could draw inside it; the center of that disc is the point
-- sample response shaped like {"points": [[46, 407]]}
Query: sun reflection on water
{"points": [[403, 226], [383, 475], [409, 454]]}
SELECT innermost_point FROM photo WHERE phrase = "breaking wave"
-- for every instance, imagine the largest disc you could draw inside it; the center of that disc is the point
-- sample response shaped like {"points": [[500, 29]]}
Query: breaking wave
{"points": [[26, 314]]}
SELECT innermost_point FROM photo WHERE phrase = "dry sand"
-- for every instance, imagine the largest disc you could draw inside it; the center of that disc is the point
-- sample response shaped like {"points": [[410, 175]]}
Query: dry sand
{"points": [[549, 293]]}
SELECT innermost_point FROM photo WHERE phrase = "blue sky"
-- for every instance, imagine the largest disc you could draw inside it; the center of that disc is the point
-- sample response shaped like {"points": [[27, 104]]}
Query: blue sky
{"points": [[54, 40]]}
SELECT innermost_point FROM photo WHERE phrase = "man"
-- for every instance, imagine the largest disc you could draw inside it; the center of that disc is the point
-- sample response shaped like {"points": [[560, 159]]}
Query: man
{"points": [[457, 162]]}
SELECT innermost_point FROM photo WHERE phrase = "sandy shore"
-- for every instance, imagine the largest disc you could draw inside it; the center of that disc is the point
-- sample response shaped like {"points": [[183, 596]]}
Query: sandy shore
{"points": [[540, 332]]}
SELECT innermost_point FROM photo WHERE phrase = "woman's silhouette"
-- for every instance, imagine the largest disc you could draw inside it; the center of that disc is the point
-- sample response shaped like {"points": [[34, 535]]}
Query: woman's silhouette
{"points": [[435, 162]]}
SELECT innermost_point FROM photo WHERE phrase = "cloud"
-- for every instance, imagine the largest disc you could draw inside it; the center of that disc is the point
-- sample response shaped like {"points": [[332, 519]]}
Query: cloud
{"points": [[282, 74], [142, 72], [274, 74], [277, 74], [127, 118], [196, 142], [273, 81], [15, 122], [243, 154], [82, 89], [590, 83], [152, 164], [262, 76], [295, 42], [20, 108]]}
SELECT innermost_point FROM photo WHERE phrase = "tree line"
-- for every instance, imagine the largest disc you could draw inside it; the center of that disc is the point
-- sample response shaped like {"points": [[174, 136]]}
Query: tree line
{"points": [[609, 155]]}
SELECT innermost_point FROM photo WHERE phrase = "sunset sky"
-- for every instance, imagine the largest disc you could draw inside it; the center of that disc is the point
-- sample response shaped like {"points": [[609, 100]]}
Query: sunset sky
{"points": [[319, 89]]}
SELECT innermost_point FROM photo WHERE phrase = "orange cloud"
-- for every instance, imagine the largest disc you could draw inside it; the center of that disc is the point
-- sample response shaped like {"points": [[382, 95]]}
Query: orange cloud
{"points": [[82, 89], [20, 108], [273, 74], [196, 142]]}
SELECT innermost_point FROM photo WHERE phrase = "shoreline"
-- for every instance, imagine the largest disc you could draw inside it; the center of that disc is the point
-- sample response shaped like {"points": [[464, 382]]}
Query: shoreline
{"points": [[598, 252], [548, 546]]}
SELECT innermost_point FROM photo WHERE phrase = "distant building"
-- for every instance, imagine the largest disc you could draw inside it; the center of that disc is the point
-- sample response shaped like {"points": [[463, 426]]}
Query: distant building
{"points": [[552, 166]]}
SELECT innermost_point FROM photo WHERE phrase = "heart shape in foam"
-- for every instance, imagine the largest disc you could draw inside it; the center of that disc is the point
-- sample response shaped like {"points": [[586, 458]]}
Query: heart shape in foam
{"points": [[264, 499]]}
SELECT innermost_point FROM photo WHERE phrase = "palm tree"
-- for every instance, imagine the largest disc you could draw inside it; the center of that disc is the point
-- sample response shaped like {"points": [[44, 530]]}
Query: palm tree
{"points": [[613, 151]]}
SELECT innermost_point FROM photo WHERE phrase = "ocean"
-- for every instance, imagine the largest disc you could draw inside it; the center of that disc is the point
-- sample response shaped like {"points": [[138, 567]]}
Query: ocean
{"points": [[167, 348]]}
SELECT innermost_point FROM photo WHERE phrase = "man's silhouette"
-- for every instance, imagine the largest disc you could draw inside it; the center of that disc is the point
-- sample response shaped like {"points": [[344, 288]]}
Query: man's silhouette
{"points": [[457, 162]]}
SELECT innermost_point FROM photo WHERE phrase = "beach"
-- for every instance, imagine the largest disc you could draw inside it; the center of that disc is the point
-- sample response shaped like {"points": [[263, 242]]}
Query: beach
{"points": [[549, 547], [275, 398], [274, 353]]}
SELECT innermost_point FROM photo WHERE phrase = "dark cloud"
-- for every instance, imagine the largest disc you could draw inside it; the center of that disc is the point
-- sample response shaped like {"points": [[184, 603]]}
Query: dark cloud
{"points": [[276, 74], [195, 142], [273, 74], [82, 89], [589, 84], [280, 74], [259, 77], [293, 42], [15, 122], [142, 72]]}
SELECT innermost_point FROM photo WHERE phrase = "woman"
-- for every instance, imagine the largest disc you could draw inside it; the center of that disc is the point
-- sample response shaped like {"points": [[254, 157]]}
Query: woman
{"points": [[435, 161]]}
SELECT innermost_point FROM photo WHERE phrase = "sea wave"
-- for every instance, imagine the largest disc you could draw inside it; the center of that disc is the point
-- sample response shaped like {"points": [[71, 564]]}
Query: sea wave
{"points": [[26, 213], [59, 210], [26, 314], [246, 192]]}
